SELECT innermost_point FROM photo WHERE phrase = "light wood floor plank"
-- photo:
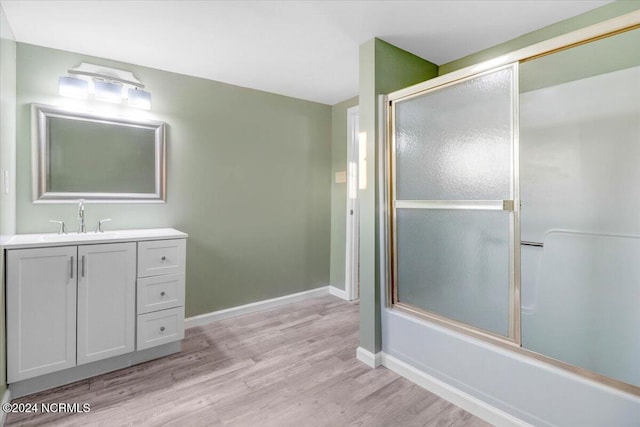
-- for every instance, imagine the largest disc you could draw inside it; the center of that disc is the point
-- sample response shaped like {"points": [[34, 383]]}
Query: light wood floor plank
{"points": [[289, 366]]}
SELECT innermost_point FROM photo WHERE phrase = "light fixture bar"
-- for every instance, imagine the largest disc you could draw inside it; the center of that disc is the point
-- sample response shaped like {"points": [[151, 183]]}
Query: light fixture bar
{"points": [[106, 77]]}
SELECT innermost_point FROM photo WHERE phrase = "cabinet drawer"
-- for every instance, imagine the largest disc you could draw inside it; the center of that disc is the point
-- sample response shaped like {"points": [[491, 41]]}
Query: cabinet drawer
{"points": [[161, 257], [160, 292], [160, 327]]}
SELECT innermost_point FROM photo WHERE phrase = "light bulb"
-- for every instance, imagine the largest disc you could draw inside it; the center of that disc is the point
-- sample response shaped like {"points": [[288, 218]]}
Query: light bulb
{"points": [[107, 91], [139, 98], [73, 87]]}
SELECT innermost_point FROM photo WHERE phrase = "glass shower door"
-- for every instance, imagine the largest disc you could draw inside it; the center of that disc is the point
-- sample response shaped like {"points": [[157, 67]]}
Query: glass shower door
{"points": [[454, 198], [580, 145]]}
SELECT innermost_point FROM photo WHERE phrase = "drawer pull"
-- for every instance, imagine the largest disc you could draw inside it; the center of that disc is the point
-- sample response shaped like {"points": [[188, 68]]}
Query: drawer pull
{"points": [[163, 293], [161, 328], [164, 258]]}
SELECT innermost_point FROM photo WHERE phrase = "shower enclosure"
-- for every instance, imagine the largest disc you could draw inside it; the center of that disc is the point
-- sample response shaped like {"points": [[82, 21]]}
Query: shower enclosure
{"points": [[513, 205]]}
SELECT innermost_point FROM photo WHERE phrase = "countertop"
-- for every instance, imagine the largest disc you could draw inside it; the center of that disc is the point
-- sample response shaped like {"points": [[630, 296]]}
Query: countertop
{"points": [[20, 241]]}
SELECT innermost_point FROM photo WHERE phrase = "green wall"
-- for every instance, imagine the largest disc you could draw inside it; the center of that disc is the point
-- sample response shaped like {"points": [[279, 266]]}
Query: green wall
{"points": [[614, 53], [594, 16], [384, 68], [248, 179], [7, 163], [339, 139]]}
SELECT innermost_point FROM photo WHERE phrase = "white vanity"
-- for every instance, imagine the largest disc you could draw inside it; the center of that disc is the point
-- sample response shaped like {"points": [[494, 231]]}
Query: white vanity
{"points": [[78, 305]]}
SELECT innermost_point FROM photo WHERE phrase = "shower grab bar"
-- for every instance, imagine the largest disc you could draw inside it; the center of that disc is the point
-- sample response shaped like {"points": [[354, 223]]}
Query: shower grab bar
{"points": [[527, 243]]}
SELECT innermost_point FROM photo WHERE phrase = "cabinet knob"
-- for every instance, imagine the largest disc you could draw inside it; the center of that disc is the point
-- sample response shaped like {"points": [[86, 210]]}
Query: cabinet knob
{"points": [[163, 293], [161, 328], [164, 258]]}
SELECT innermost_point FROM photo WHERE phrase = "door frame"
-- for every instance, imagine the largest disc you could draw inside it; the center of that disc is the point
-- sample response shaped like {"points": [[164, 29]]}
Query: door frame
{"points": [[511, 205], [352, 232]]}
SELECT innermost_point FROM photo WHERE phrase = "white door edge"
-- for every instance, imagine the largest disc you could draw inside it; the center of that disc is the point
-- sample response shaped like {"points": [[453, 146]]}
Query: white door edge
{"points": [[353, 216]]}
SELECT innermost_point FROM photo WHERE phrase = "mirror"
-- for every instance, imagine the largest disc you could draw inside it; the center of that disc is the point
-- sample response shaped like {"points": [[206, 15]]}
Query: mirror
{"points": [[95, 157]]}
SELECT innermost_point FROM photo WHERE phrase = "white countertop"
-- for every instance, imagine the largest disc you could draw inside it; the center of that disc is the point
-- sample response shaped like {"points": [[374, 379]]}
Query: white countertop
{"points": [[18, 241]]}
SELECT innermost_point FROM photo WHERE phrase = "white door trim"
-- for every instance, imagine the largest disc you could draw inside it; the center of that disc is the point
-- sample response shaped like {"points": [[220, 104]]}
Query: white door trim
{"points": [[353, 215]]}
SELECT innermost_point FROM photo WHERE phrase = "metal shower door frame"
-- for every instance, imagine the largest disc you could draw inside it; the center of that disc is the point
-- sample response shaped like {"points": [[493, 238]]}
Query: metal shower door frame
{"points": [[513, 206]]}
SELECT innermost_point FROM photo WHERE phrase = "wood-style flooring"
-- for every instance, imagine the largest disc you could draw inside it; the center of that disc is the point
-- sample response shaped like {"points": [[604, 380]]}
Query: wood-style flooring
{"points": [[290, 366]]}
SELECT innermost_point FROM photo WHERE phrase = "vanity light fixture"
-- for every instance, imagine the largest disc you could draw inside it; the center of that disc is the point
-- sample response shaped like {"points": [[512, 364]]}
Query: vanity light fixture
{"points": [[73, 87], [104, 84], [107, 91], [139, 98]]}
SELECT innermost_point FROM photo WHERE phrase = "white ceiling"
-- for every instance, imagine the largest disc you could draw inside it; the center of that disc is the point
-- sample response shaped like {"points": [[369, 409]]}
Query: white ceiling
{"points": [[304, 49]]}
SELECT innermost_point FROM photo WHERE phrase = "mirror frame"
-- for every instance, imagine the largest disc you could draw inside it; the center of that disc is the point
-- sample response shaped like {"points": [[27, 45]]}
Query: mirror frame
{"points": [[40, 154]]}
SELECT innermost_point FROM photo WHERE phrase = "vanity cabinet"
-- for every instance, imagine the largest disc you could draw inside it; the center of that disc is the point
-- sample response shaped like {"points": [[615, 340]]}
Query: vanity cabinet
{"points": [[41, 311], [106, 301], [80, 302], [69, 306]]}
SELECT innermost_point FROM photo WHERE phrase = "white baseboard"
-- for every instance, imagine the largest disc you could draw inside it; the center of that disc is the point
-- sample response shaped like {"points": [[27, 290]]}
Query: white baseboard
{"points": [[368, 358], [6, 398], [204, 319], [471, 404], [337, 292]]}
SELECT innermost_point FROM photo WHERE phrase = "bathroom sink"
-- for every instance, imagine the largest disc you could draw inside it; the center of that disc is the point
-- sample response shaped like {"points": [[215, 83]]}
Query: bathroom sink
{"points": [[74, 237]]}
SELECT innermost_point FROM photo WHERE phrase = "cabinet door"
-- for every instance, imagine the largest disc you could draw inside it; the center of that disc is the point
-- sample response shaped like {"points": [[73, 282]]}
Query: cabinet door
{"points": [[41, 311], [106, 300]]}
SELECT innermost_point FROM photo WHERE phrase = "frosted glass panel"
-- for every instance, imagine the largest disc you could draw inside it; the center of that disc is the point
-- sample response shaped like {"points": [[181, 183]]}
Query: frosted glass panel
{"points": [[580, 150], [583, 309], [456, 143], [579, 173], [456, 264]]}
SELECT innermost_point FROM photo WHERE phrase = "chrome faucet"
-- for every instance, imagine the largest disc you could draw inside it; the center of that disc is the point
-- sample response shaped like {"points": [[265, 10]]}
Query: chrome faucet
{"points": [[83, 227], [99, 226], [61, 228]]}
